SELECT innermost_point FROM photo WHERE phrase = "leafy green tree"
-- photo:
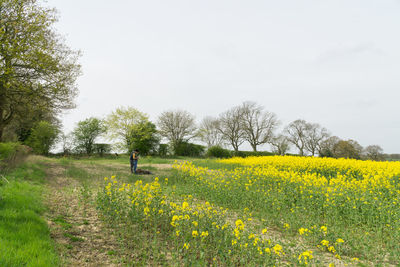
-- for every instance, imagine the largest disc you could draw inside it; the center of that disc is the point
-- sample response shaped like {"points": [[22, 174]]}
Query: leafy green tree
{"points": [[43, 137], [36, 67], [86, 132], [144, 137], [132, 129]]}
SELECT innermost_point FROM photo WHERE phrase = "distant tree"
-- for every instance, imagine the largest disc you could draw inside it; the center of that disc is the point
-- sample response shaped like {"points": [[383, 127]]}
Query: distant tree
{"points": [[43, 137], [280, 144], [315, 135], [231, 127], [177, 127], [374, 152], [296, 133], [67, 143], [86, 132], [258, 125], [101, 148], [144, 138], [131, 129], [347, 149], [36, 67], [209, 134], [327, 146]]}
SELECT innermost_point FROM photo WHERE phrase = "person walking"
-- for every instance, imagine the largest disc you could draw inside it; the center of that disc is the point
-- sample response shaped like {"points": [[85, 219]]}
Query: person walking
{"points": [[134, 159]]}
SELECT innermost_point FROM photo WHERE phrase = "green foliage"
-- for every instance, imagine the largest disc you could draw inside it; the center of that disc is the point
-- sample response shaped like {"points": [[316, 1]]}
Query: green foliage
{"points": [[86, 132], [245, 154], [124, 124], [218, 152], [163, 150], [11, 154], [102, 149], [43, 137], [7, 150], [24, 235], [144, 137], [37, 68], [189, 150]]}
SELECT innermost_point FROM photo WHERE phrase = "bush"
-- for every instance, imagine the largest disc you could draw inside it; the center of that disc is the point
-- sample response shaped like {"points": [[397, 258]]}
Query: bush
{"points": [[218, 152], [189, 150], [11, 154], [245, 154], [163, 150], [101, 149]]}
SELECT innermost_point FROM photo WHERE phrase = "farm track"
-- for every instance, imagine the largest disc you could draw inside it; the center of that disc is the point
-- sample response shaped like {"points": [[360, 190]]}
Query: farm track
{"points": [[80, 236]]}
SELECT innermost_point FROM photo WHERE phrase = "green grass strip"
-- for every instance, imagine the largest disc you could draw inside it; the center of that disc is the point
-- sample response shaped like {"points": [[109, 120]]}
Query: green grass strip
{"points": [[24, 235]]}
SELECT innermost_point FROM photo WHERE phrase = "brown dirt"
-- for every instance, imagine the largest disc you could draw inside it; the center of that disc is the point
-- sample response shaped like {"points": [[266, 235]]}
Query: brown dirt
{"points": [[80, 235]]}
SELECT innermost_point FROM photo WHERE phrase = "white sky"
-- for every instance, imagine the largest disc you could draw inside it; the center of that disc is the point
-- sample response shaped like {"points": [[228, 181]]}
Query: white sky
{"points": [[334, 62]]}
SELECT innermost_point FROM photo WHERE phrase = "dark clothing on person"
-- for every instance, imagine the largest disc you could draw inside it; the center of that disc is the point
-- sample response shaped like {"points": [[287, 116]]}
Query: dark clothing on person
{"points": [[133, 160]]}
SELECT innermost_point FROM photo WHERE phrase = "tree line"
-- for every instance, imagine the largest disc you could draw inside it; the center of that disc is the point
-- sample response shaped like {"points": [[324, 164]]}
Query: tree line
{"points": [[127, 128]]}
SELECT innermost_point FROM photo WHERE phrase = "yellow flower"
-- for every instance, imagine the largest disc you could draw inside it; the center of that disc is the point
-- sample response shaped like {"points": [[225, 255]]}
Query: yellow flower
{"points": [[204, 234], [325, 243], [264, 230], [186, 245], [277, 249], [339, 240], [195, 223], [177, 232], [195, 233]]}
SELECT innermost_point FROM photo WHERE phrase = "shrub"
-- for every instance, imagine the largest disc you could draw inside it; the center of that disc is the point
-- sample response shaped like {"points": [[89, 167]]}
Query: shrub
{"points": [[245, 154], [218, 152], [189, 150], [163, 150], [11, 154]]}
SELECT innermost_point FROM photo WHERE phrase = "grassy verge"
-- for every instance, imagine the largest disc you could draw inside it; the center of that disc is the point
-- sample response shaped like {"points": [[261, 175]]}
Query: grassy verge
{"points": [[24, 235]]}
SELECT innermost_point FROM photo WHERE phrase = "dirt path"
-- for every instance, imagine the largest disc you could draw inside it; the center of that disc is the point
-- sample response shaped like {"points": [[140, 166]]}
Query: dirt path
{"points": [[81, 238]]}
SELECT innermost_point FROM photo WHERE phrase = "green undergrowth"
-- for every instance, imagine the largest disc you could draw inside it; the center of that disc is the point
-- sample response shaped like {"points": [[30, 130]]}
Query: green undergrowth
{"points": [[24, 235]]}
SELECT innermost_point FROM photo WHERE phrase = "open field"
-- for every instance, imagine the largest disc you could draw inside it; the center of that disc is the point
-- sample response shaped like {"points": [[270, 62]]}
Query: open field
{"points": [[263, 211]]}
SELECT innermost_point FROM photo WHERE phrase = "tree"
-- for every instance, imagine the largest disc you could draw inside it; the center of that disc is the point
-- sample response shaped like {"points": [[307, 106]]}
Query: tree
{"points": [[43, 137], [132, 130], [144, 137], [280, 144], [66, 142], [177, 127], [231, 128], [258, 125], [209, 134], [327, 146], [374, 152], [297, 134], [36, 67], [315, 134], [86, 132], [347, 149]]}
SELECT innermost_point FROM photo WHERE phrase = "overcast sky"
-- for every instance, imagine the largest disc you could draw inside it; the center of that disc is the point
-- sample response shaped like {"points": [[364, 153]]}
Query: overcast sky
{"points": [[334, 62]]}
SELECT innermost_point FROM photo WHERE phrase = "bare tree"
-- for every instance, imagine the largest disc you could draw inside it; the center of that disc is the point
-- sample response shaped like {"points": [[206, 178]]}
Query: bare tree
{"points": [[280, 144], [374, 152], [230, 126], [177, 126], [297, 134], [258, 125], [315, 134], [209, 133]]}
